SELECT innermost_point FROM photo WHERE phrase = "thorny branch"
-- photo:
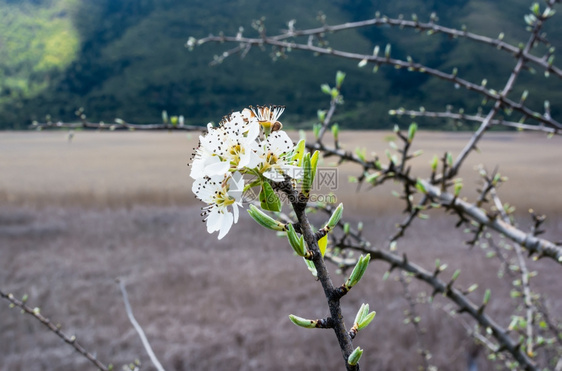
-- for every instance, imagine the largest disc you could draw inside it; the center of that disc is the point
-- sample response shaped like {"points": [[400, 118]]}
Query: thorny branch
{"points": [[502, 96], [476, 118], [524, 277], [280, 41], [333, 295], [435, 188], [440, 287]]}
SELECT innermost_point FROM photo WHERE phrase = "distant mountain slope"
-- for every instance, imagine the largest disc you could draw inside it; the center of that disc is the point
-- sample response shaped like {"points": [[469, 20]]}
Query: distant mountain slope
{"points": [[126, 58]]}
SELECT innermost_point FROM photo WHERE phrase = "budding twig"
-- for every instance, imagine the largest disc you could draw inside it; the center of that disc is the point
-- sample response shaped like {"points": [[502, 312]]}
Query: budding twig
{"points": [[71, 340]]}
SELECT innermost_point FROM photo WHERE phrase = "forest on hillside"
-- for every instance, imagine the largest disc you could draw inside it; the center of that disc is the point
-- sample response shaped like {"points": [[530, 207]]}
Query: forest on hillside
{"points": [[128, 59]]}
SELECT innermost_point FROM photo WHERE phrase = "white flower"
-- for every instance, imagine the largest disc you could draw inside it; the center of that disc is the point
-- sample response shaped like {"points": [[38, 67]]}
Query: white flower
{"points": [[268, 117], [220, 193], [232, 145], [276, 158]]}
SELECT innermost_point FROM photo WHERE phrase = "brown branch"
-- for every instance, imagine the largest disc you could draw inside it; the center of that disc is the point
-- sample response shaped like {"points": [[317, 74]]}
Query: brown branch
{"points": [[71, 340], [501, 99], [430, 27], [533, 244], [476, 118], [118, 125], [333, 295], [461, 300]]}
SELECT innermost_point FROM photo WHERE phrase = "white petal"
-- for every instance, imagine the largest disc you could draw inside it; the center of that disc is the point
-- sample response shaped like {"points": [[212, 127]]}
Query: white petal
{"points": [[214, 220], [226, 223], [279, 142], [274, 175], [244, 159], [217, 168], [253, 130], [254, 160]]}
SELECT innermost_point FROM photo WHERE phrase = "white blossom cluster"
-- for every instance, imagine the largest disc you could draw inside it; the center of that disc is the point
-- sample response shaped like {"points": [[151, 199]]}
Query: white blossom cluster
{"points": [[247, 142]]}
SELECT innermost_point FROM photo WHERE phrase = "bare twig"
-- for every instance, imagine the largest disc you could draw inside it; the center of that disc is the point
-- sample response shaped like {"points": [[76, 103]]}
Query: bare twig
{"points": [[529, 307], [430, 27], [118, 125], [501, 97], [71, 340], [138, 328], [477, 118]]}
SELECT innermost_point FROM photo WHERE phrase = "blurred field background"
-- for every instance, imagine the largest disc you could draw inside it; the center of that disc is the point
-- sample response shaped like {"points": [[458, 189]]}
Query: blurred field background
{"points": [[75, 215]]}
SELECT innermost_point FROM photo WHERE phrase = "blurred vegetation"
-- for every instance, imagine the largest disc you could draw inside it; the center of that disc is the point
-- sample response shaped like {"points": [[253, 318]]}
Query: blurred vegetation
{"points": [[126, 58]]}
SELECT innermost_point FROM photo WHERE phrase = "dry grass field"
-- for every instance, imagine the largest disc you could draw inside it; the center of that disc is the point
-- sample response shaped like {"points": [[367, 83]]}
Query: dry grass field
{"points": [[76, 215]]}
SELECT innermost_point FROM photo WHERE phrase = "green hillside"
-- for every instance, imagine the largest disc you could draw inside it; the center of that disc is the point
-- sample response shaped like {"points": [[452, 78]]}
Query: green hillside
{"points": [[127, 59]]}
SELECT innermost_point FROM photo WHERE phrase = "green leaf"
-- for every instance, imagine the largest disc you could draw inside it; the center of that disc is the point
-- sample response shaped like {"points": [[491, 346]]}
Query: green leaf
{"points": [[322, 244], [269, 199], [307, 176], [313, 164], [298, 152], [265, 220], [296, 242]]}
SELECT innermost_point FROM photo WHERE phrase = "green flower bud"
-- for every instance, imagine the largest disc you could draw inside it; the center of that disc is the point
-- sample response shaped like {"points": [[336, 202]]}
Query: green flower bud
{"points": [[373, 177], [340, 76], [487, 295], [472, 287], [387, 51], [457, 188], [355, 356], [303, 322], [412, 131], [456, 275], [321, 115], [536, 8], [358, 271], [311, 267], [335, 218], [326, 89], [434, 163], [265, 220], [363, 317], [335, 131], [420, 186], [297, 243], [449, 159]]}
